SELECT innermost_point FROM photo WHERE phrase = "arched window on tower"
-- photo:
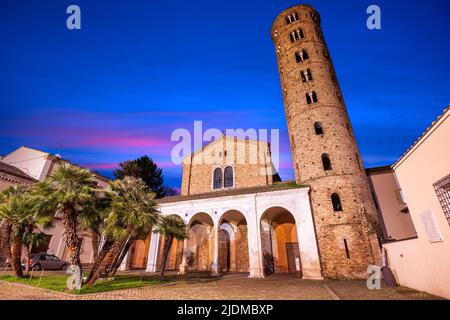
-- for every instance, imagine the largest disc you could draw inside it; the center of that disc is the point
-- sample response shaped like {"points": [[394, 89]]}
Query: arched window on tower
{"points": [[318, 128], [291, 18], [336, 200], [306, 75], [311, 97], [296, 35], [217, 183], [228, 173], [301, 56], [326, 162]]}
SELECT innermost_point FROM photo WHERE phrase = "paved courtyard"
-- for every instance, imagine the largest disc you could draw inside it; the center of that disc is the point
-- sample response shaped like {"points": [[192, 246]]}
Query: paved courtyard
{"points": [[232, 287]]}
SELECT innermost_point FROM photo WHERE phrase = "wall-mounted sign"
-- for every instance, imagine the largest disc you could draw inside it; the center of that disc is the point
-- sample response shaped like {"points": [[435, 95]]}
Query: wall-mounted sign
{"points": [[431, 228]]}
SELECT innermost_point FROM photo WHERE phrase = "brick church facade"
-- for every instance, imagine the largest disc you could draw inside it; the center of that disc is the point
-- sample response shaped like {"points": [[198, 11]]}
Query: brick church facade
{"points": [[241, 218]]}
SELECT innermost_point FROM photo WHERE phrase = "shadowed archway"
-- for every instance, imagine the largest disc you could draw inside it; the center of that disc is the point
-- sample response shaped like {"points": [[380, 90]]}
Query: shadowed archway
{"points": [[233, 242], [279, 242], [199, 253]]}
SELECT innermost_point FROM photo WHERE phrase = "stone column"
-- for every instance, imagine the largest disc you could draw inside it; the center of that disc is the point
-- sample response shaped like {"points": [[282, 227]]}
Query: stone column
{"points": [[125, 265], [153, 253], [255, 249], [215, 266], [309, 253], [183, 266]]}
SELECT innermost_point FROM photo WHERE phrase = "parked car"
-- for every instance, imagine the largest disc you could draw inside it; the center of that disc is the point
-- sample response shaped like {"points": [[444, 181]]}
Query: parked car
{"points": [[39, 261]]}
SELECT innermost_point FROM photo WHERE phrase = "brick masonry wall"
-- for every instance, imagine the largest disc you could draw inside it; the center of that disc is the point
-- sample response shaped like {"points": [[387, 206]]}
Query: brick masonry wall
{"points": [[251, 162], [356, 222]]}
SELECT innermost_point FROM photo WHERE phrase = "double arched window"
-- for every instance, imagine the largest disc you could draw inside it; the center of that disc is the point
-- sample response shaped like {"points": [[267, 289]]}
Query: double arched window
{"points": [[223, 179], [301, 56], [311, 97], [217, 179]]}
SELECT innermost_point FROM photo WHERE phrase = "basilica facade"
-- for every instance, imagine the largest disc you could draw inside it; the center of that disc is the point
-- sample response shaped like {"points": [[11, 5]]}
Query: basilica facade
{"points": [[242, 218]]}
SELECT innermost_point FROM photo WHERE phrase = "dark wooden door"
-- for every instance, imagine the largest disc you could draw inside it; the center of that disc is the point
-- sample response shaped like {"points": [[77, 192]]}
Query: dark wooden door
{"points": [[293, 256]]}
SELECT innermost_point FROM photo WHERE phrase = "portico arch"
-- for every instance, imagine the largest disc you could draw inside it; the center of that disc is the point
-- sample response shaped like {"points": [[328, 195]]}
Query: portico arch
{"points": [[233, 242], [279, 242], [199, 253]]}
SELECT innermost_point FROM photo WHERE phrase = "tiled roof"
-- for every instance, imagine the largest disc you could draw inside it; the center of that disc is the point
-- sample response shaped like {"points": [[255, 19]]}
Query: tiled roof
{"points": [[382, 169], [13, 171], [423, 135], [233, 192]]}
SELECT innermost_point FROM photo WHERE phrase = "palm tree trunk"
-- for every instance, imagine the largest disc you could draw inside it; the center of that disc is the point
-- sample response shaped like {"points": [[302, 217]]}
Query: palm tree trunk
{"points": [[112, 252], [110, 267], [100, 257], [5, 237], [27, 248], [16, 251], [168, 239], [122, 255], [70, 229], [95, 236]]}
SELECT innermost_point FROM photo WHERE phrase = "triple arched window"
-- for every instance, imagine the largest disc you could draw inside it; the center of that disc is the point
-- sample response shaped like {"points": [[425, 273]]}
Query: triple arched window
{"points": [[223, 179]]}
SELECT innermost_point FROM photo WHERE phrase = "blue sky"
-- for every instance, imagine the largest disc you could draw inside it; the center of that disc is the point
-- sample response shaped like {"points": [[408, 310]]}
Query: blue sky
{"points": [[137, 70]]}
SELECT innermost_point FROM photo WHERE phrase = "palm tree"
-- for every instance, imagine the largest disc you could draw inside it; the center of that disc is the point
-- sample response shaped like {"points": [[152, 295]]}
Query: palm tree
{"points": [[68, 190], [170, 227], [137, 234], [132, 208], [19, 210], [5, 236], [92, 218]]}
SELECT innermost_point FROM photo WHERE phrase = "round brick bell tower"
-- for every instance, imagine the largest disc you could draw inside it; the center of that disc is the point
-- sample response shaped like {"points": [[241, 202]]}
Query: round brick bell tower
{"points": [[324, 149]]}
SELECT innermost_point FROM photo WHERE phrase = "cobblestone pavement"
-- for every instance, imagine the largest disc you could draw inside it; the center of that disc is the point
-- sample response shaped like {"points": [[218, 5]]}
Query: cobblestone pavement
{"points": [[231, 287]]}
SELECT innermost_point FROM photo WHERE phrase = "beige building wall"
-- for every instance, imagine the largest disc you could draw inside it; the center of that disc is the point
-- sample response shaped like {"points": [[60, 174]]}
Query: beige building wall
{"points": [[40, 165], [250, 159], [393, 212], [424, 263]]}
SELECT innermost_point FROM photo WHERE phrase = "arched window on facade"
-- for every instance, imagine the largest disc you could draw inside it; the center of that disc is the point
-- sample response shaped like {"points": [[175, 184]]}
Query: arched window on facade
{"points": [[326, 162], [318, 128], [228, 174], [336, 200], [217, 183]]}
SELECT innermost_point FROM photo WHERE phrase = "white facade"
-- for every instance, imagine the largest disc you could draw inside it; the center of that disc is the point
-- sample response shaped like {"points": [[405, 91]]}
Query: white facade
{"points": [[252, 206]]}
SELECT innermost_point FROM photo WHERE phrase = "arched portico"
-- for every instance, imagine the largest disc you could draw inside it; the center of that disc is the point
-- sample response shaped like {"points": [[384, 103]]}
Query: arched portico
{"points": [[233, 242], [279, 242]]}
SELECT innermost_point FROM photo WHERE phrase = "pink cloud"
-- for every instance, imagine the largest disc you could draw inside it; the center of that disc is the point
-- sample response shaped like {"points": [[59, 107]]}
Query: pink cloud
{"points": [[95, 166], [136, 142]]}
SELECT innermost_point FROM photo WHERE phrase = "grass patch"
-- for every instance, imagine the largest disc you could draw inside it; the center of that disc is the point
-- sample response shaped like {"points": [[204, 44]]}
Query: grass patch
{"points": [[58, 283]]}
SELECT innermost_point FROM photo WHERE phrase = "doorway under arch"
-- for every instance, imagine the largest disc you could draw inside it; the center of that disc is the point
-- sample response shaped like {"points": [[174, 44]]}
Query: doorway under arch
{"points": [[233, 242], [279, 242]]}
